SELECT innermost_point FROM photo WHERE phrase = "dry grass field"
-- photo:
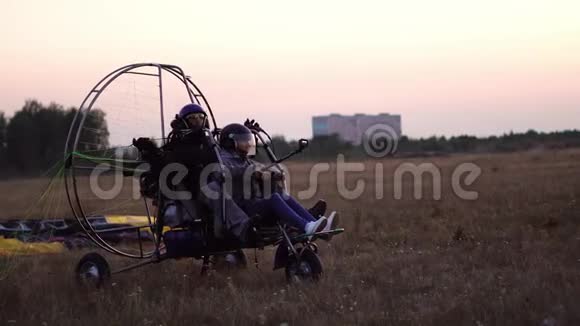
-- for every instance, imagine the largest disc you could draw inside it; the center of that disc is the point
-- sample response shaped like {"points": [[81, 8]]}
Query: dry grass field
{"points": [[511, 257]]}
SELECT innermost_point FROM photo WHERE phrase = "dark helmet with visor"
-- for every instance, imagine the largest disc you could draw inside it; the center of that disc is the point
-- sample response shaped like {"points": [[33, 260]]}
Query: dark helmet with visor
{"points": [[239, 138], [190, 109], [194, 116]]}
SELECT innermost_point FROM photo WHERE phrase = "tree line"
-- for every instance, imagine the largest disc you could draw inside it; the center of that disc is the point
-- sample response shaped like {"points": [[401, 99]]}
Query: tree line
{"points": [[33, 139], [327, 147]]}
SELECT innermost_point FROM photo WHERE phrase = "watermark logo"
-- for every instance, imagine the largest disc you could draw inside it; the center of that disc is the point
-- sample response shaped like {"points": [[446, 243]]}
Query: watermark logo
{"points": [[380, 140]]}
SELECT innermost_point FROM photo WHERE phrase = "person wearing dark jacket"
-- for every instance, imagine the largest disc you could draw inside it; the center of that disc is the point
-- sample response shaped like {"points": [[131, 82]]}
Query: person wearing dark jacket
{"points": [[189, 144]]}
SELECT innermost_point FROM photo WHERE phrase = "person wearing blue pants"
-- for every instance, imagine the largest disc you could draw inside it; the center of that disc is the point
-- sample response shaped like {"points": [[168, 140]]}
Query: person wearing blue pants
{"points": [[237, 143], [286, 208]]}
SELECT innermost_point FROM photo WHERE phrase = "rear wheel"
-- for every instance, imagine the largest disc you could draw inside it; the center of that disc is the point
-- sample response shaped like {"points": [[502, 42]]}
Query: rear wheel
{"points": [[93, 270], [307, 268]]}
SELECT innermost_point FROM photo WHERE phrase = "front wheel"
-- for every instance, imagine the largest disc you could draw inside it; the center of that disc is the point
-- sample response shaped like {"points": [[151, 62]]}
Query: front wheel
{"points": [[93, 270], [306, 268]]}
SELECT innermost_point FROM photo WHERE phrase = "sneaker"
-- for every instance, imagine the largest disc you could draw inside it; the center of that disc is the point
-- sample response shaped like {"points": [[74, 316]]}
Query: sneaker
{"points": [[332, 222], [315, 226], [319, 209]]}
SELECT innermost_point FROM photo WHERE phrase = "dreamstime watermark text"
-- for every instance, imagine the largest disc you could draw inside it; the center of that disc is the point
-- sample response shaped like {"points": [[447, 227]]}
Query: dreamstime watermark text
{"points": [[350, 180]]}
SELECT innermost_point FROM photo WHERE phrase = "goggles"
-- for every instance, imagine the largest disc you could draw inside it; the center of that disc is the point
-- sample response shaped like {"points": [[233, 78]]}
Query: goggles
{"points": [[196, 116], [195, 119]]}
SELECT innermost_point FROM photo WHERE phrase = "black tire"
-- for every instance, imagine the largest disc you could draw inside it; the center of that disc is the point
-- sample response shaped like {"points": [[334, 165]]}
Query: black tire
{"points": [[306, 269], [92, 270]]}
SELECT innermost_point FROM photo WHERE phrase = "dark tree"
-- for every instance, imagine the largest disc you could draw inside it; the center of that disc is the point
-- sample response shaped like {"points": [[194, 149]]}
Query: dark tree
{"points": [[94, 136], [36, 135], [22, 138], [2, 139]]}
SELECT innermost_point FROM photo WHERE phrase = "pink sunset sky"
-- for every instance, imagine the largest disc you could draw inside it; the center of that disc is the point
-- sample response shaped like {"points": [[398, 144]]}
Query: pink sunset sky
{"points": [[448, 67]]}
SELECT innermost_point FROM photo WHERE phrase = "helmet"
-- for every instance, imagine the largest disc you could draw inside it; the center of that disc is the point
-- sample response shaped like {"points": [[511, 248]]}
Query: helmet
{"points": [[189, 109], [238, 137], [193, 116]]}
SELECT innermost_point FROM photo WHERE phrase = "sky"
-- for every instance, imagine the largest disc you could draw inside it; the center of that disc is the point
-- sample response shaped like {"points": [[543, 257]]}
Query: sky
{"points": [[447, 67]]}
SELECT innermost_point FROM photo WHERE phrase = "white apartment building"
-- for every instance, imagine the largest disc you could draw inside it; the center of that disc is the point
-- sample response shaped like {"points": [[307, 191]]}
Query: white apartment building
{"points": [[351, 128]]}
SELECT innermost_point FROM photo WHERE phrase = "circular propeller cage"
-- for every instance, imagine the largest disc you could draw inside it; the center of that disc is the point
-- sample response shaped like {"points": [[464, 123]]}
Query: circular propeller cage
{"points": [[89, 165]]}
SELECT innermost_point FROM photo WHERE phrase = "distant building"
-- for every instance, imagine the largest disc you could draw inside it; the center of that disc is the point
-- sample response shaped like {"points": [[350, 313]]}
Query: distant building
{"points": [[351, 128]]}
